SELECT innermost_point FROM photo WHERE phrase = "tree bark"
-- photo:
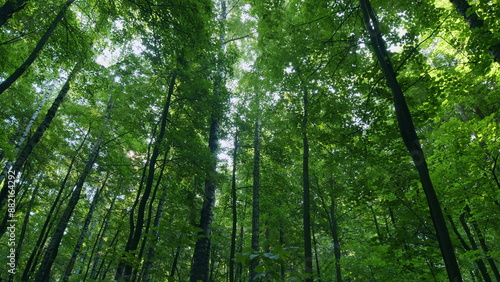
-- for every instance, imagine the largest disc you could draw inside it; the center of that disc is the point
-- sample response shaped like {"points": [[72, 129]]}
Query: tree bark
{"points": [[308, 258], [411, 141], [475, 22], [35, 138], [43, 273], [34, 54], [256, 197], [10, 8], [234, 211]]}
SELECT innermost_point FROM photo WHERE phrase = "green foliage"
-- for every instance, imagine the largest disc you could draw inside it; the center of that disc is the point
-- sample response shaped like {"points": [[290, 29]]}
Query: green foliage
{"points": [[273, 51]]}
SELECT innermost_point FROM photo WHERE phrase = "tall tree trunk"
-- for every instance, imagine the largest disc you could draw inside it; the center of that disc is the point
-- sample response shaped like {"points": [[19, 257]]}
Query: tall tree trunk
{"points": [[479, 262], [475, 22], [42, 237], [316, 257], [256, 197], [34, 54], [336, 241], [94, 258], [483, 244], [35, 138], [148, 264], [308, 259], [176, 259], [43, 273], [9, 8], [234, 211], [83, 234], [201, 257], [410, 138], [124, 270]]}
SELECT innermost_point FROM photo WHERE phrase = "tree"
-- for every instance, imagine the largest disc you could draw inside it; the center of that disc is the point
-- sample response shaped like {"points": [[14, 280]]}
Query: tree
{"points": [[411, 141]]}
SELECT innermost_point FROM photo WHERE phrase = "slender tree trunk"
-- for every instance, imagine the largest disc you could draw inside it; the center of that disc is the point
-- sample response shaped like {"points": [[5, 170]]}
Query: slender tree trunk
{"points": [[43, 273], [239, 266], [483, 244], [308, 259], [316, 257], [256, 197], [83, 234], [411, 141], [94, 258], [234, 210], [9, 8], [30, 265], [124, 270], [475, 22], [35, 138], [176, 259], [148, 264], [479, 262], [34, 54], [377, 227], [336, 241]]}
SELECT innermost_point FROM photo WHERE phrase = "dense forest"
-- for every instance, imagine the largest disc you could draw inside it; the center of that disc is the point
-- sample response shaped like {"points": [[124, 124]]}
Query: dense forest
{"points": [[233, 140]]}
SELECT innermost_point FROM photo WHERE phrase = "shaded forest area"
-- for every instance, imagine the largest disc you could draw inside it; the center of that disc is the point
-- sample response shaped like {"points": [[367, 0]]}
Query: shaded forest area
{"points": [[233, 140]]}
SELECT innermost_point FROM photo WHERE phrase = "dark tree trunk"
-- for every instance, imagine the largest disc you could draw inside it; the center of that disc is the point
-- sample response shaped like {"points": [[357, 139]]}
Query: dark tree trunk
{"points": [[35, 138], [83, 234], [336, 241], [256, 197], [124, 270], [411, 141], [475, 22], [42, 237], [10, 8], [34, 54], [308, 258], [234, 211], [148, 264], [483, 244], [316, 257], [176, 259], [43, 273], [94, 258], [201, 256], [479, 262]]}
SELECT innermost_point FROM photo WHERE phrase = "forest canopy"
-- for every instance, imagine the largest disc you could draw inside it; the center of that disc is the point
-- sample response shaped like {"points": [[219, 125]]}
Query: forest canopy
{"points": [[233, 140]]}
